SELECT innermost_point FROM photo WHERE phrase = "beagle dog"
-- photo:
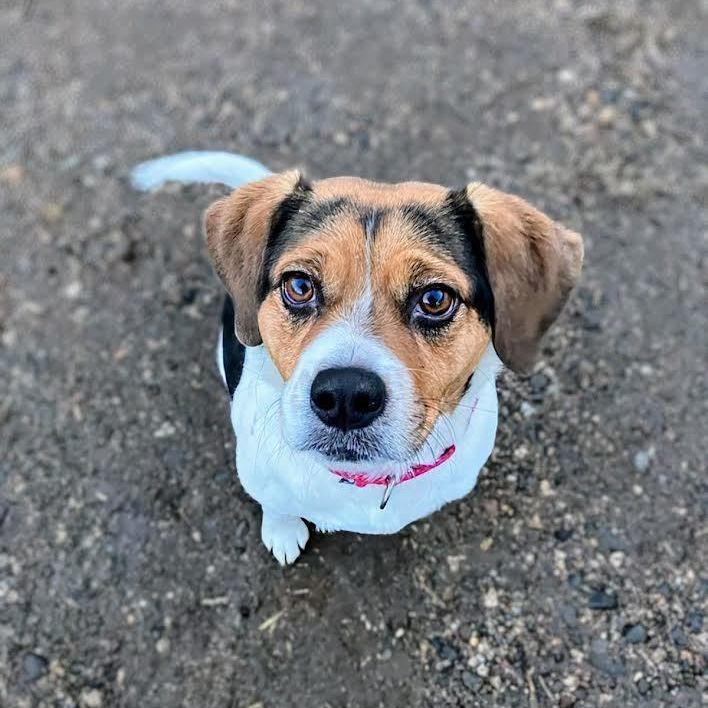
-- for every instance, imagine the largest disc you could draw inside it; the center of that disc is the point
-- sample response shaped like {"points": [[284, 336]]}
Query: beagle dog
{"points": [[362, 332]]}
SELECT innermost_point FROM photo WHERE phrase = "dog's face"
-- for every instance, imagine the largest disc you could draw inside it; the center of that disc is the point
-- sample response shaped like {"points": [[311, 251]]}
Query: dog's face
{"points": [[376, 302]]}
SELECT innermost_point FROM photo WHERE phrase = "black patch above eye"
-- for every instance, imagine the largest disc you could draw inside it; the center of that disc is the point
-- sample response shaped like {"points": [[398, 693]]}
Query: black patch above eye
{"points": [[468, 239], [457, 231]]}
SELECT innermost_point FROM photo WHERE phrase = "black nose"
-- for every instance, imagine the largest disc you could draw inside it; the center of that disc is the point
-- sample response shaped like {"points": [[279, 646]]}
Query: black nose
{"points": [[347, 398]]}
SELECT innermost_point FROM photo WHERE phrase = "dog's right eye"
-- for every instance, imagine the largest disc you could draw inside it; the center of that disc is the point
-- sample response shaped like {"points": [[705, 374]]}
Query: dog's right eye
{"points": [[297, 290]]}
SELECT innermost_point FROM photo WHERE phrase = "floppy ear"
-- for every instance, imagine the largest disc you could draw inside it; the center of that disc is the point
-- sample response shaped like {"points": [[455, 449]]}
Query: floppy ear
{"points": [[533, 264], [238, 229]]}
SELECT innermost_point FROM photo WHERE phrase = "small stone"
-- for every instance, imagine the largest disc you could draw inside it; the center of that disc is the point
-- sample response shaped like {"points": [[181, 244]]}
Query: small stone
{"points": [[52, 212], [643, 686], [453, 563], [607, 116], [91, 698], [617, 559], [486, 543], [340, 138], [471, 681], [562, 534], [101, 162], [521, 452], [491, 599], [539, 383], [166, 430], [444, 649], [602, 660], [634, 633], [569, 614], [678, 637], [694, 620], [610, 542], [34, 666], [642, 459], [73, 290], [601, 600], [482, 670], [575, 580], [527, 410], [162, 646]]}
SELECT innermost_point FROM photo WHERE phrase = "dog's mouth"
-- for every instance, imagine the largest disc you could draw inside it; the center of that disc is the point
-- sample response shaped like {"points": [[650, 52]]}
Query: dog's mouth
{"points": [[352, 447]]}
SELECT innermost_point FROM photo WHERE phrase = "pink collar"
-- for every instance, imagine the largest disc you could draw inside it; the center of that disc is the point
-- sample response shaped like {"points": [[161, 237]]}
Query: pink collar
{"points": [[361, 479]]}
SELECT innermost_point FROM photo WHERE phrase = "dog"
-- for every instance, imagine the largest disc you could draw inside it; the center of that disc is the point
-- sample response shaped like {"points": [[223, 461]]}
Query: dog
{"points": [[362, 333]]}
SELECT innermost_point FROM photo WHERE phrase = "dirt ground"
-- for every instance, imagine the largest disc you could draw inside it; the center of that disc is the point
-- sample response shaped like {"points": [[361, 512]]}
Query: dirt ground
{"points": [[131, 568]]}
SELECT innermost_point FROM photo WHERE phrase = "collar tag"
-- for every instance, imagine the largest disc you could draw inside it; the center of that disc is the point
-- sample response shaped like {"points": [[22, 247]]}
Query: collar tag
{"points": [[390, 484]]}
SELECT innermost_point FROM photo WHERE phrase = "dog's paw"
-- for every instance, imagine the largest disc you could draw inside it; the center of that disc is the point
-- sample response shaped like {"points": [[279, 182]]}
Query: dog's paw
{"points": [[284, 536]]}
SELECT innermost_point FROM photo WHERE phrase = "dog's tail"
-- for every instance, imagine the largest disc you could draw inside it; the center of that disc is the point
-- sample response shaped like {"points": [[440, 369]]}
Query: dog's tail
{"points": [[206, 167]]}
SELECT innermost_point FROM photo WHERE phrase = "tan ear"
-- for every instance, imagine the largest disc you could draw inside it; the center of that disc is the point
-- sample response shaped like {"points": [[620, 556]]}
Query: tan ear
{"points": [[238, 229], [533, 264]]}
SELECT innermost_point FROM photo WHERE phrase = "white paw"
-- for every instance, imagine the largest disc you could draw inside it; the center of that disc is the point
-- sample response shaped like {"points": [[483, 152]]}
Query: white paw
{"points": [[284, 536]]}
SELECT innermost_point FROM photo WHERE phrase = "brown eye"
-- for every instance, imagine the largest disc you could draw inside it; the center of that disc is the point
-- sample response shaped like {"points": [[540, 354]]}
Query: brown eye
{"points": [[436, 302], [297, 290]]}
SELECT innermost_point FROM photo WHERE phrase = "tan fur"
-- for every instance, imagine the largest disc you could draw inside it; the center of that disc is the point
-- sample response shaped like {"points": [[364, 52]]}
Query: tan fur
{"points": [[533, 264], [379, 194]]}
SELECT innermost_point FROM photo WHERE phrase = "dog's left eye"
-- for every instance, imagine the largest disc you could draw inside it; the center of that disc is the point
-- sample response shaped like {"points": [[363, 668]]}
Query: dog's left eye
{"points": [[297, 290], [437, 303]]}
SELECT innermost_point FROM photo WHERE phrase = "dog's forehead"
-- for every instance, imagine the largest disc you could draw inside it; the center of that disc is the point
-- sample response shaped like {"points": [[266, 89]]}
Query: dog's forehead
{"points": [[380, 194]]}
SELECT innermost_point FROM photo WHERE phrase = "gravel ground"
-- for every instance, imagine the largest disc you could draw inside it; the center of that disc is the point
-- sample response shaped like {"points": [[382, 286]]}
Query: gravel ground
{"points": [[131, 569]]}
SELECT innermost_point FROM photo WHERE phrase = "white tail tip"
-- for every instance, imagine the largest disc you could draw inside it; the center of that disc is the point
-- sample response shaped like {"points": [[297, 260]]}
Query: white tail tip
{"points": [[204, 167]]}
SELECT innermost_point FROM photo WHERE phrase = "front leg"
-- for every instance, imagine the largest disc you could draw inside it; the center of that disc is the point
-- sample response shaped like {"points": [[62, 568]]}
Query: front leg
{"points": [[283, 535]]}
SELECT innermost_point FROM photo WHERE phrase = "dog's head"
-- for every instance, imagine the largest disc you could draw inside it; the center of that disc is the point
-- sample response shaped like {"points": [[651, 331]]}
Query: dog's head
{"points": [[377, 301]]}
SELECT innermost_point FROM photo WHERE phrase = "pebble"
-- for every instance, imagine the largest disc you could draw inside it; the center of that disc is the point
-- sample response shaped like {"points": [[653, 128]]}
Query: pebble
{"points": [[527, 410], [91, 698], [678, 637], [610, 542], [444, 649], [34, 666], [166, 430], [602, 660], [539, 383], [569, 614], [601, 600], [562, 534], [471, 681], [634, 633], [491, 599], [694, 620], [642, 460], [607, 116]]}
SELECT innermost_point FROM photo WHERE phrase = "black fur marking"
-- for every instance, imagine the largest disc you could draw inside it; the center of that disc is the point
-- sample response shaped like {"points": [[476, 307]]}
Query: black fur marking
{"points": [[316, 214], [457, 231], [370, 220], [473, 257], [233, 352], [278, 233], [295, 217]]}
